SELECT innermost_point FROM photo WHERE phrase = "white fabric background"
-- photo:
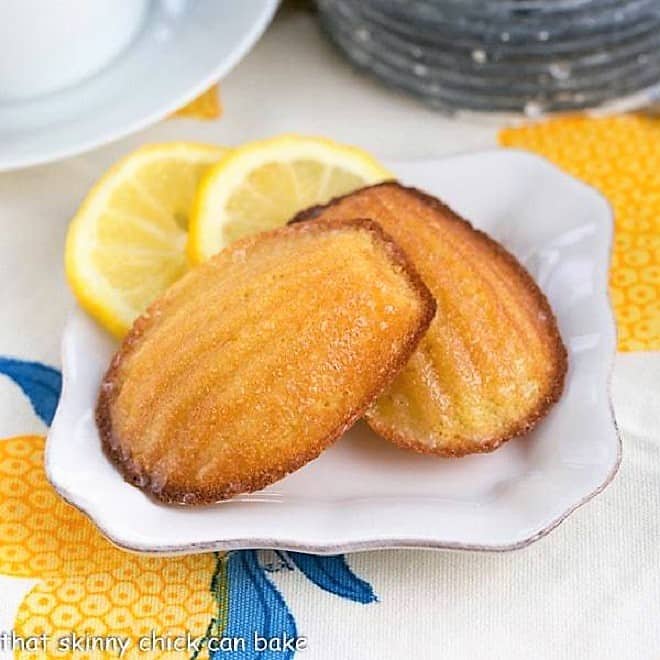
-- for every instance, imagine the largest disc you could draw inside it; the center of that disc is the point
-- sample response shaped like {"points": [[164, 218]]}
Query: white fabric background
{"points": [[591, 589]]}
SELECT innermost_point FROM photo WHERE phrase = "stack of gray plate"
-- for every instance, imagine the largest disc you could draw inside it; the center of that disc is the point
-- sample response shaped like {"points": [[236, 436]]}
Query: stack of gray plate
{"points": [[532, 56]]}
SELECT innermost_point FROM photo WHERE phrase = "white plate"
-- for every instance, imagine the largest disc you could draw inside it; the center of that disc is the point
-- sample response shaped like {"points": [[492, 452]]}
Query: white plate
{"points": [[183, 48], [364, 493]]}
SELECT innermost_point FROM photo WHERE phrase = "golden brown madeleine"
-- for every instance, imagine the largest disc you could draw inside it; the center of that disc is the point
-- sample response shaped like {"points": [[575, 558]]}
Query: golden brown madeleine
{"points": [[492, 362], [255, 361]]}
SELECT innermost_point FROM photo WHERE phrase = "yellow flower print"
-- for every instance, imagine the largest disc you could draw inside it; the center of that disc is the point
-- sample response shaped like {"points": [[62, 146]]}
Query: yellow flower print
{"points": [[88, 586], [621, 157], [206, 106]]}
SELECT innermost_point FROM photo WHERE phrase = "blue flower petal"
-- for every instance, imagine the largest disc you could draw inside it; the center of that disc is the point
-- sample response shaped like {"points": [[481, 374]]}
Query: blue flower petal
{"points": [[40, 383], [332, 574], [255, 606]]}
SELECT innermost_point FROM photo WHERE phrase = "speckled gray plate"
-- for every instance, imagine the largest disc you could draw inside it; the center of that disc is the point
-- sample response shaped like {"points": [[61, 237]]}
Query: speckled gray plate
{"points": [[559, 90], [501, 56]]}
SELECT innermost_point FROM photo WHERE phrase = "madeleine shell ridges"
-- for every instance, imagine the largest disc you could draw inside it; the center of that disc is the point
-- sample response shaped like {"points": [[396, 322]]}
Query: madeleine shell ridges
{"points": [[492, 362], [258, 359]]}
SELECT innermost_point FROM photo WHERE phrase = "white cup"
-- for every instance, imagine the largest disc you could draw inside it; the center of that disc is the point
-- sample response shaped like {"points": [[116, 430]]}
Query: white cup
{"points": [[47, 45]]}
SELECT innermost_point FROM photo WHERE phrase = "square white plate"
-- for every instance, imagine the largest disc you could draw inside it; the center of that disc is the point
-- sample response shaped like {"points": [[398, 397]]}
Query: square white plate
{"points": [[364, 493]]}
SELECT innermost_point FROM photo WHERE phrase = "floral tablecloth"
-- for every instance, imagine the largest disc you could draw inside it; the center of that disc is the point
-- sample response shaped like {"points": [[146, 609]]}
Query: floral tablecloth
{"points": [[591, 589]]}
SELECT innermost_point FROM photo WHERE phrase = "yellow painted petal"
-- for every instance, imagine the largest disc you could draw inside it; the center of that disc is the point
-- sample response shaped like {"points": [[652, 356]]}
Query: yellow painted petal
{"points": [[206, 106], [621, 157], [129, 600], [40, 534], [88, 586]]}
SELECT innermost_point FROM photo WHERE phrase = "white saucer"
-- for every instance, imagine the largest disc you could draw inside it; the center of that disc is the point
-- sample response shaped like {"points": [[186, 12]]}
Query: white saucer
{"points": [[364, 493], [184, 47]]}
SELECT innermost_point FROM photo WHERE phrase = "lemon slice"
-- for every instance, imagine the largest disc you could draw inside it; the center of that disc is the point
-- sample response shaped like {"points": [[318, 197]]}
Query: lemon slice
{"points": [[262, 184], [126, 243]]}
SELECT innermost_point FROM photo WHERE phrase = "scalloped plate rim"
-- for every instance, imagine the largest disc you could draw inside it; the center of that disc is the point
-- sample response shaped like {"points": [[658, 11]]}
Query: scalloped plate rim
{"points": [[382, 541]]}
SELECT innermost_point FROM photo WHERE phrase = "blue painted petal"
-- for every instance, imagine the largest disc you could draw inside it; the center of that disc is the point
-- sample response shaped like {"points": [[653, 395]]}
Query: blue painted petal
{"points": [[255, 605], [332, 574], [40, 383]]}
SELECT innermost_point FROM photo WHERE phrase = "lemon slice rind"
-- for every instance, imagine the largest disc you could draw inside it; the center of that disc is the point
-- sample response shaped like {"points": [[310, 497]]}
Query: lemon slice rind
{"points": [[209, 215], [91, 286]]}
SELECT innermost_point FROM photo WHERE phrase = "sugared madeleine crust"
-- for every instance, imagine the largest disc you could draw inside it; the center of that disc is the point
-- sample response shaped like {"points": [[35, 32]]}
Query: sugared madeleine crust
{"points": [[255, 361], [492, 362]]}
